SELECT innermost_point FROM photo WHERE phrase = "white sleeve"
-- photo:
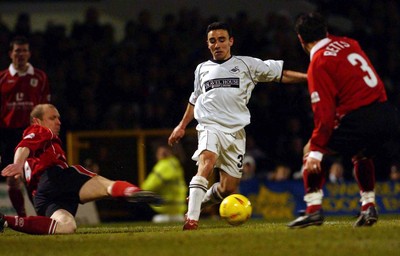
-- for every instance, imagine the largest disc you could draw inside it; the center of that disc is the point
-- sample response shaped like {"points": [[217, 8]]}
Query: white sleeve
{"points": [[268, 70], [197, 87]]}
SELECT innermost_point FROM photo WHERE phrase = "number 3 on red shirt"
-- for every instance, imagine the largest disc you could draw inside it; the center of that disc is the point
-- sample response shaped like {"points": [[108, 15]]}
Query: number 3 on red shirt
{"points": [[371, 80]]}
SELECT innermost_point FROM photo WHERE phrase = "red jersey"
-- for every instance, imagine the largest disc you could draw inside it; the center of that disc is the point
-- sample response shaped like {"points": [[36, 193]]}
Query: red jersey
{"points": [[341, 79], [19, 94], [45, 152]]}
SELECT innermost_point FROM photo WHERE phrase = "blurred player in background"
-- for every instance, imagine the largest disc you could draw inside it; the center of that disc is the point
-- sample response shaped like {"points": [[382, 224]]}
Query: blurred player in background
{"points": [[55, 187], [21, 88], [351, 116], [167, 179], [222, 89]]}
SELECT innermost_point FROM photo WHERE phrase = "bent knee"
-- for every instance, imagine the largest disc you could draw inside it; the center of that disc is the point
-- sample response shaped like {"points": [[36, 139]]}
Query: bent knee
{"points": [[66, 228], [66, 223]]}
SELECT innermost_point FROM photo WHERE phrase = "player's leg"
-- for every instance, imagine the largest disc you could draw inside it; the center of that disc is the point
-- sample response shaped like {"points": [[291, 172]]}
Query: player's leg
{"points": [[313, 183], [219, 190], [206, 156], [99, 187], [364, 172], [36, 225], [11, 139], [66, 223], [230, 166], [376, 128], [198, 187], [16, 196]]}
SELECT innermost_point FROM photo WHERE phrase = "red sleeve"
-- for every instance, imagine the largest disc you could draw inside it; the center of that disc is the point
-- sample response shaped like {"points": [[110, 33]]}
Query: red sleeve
{"points": [[323, 93], [35, 137]]}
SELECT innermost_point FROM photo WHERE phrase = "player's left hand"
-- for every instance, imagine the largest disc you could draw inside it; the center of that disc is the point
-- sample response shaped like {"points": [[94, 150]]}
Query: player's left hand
{"points": [[13, 170], [313, 165]]}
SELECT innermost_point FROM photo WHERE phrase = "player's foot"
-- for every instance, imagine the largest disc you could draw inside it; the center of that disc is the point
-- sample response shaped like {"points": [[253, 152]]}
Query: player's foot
{"points": [[309, 219], [144, 196], [203, 205], [2, 222], [190, 224], [367, 217]]}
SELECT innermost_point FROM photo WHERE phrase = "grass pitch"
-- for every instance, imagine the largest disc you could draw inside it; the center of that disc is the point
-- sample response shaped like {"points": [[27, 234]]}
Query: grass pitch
{"points": [[214, 237]]}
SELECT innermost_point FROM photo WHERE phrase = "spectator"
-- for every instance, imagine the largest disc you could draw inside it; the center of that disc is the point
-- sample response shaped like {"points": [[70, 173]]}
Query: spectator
{"points": [[249, 183], [281, 172], [168, 180], [249, 168], [336, 172], [394, 173]]}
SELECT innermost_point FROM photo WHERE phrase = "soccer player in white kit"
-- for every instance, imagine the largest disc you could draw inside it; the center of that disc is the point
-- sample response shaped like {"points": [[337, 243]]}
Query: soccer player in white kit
{"points": [[222, 89]]}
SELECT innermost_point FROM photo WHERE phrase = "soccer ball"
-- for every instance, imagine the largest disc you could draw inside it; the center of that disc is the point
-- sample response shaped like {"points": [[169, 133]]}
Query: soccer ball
{"points": [[235, 209]]}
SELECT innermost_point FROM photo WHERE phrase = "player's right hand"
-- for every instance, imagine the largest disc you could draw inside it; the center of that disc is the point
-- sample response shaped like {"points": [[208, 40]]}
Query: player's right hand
{"points": [[13, 170], [176, 135]]}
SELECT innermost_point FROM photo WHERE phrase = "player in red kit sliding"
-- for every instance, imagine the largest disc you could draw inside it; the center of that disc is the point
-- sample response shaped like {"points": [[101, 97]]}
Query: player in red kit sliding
{"points": [[351, 116], [21, 88], [55, 187]]}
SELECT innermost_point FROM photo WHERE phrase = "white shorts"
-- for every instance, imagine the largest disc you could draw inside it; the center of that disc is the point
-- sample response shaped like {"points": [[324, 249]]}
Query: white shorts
{"points": [[230, 148]]}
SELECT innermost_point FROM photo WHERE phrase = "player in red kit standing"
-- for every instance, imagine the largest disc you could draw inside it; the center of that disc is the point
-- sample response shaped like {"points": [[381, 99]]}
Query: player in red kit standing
{"points": [[55, 187], [21, 88], [351, 116]]}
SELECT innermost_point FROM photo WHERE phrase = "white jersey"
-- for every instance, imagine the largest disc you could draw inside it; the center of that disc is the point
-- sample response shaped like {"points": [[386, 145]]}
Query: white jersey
{"points": [[222, 90]]}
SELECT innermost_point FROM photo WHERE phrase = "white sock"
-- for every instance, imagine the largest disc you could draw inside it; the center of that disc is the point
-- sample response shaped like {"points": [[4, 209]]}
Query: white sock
{"points": [[212, 196], [367, 197], [197, 190], [314, 198]]}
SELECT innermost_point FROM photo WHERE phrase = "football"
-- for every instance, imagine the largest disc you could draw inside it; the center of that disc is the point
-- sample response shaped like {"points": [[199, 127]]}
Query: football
{"points": [[235, 209]]}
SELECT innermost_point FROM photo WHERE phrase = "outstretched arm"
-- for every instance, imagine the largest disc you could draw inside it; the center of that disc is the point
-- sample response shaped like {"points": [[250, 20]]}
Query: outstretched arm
{"points": [[179, 130], [16, 169], [290, 76]]}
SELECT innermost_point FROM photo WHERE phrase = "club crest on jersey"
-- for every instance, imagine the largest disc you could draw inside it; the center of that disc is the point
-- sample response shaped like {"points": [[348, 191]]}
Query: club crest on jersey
{"points": [[315, 97], [34, 82], [235, 70]]}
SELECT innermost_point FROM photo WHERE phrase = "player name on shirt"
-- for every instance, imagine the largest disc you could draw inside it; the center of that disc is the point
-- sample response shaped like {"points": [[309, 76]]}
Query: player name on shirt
{"points": [[222, 83], [333, 48]]}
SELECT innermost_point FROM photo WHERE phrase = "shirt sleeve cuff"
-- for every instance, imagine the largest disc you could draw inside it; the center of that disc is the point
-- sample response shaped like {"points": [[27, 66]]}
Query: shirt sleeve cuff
{"points": [[316, 155]]}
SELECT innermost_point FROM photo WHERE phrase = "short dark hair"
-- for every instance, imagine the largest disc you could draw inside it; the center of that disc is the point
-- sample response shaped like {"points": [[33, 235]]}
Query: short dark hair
{"points": [[311, 27], [219, 25], [38, 111], [18, 40]]}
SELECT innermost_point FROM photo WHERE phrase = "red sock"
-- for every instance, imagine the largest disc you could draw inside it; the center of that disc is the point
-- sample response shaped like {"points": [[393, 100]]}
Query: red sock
{"points": [[366, 206], [35, 225], [123, 189], [313, 182], [17, 200], [313, 208], [364, 171]]}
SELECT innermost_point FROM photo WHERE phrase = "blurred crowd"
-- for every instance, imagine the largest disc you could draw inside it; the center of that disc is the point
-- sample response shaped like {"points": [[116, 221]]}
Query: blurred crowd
{"points": [[144, 80]]}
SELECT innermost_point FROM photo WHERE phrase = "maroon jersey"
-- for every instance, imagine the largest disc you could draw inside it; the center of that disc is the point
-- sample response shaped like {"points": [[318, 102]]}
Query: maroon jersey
{"points": [[19, 94], [45, 152], [341, 79]]}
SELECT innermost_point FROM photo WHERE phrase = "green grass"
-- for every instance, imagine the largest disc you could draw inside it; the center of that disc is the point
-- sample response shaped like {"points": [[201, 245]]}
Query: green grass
{"points": [[214, 237]]}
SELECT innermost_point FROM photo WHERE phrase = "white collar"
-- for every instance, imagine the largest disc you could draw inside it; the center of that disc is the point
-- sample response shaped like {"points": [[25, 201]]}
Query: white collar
{"points": [[29, 71], [319, 45]]}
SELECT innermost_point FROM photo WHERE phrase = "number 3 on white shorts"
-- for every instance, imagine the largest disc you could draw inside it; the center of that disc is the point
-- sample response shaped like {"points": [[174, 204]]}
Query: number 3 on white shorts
{"points": [[371, 80]]}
